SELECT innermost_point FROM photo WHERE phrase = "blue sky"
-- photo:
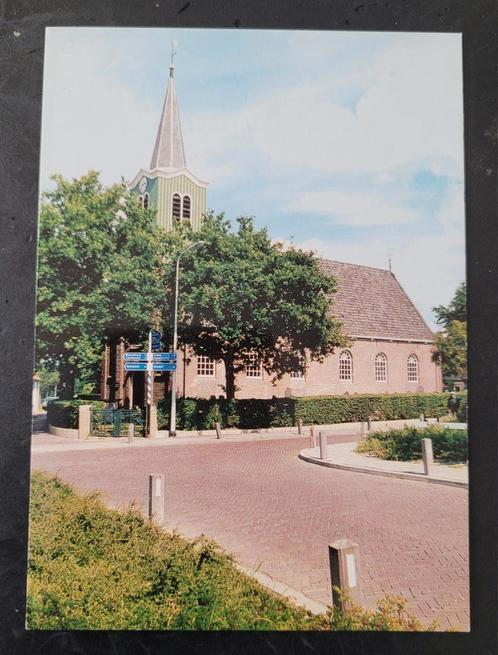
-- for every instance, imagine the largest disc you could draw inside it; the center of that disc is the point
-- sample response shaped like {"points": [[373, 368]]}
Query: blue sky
{"points": [[347, 143]]}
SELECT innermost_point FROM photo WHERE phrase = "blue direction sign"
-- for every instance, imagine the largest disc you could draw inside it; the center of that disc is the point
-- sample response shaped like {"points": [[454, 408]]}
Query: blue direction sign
{"points": [[164, 357], [166, 366], [135, 366], [155, 341], [135, 357]]}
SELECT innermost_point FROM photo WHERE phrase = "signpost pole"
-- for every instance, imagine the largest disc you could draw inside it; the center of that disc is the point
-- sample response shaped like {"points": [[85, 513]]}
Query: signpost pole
{"points": [[172, 427], [148, 385]]}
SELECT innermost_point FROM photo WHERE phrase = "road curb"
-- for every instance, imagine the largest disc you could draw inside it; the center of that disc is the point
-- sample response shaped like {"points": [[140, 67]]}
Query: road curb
{"points": [[281, 589], [388, 474]]}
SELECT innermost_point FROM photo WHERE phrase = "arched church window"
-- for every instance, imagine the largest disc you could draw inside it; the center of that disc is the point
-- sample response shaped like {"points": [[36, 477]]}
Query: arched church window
{"points": [[381, 367], [141, 200], [146, 201], [345, 365], [412, 365], [186, 207], [177, 206]]}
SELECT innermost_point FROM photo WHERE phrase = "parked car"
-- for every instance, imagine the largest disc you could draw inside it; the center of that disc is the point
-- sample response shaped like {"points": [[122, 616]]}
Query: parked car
{"points": [[47, 399]]}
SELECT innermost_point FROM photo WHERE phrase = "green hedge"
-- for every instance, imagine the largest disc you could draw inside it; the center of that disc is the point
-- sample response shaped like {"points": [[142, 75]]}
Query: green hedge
{"points": [[201, 414], [64, 413], [406, 444]]}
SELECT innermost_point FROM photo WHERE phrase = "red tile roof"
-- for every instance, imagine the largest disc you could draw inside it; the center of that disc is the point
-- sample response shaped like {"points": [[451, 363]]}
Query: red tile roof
{"points": [[370, 302]]}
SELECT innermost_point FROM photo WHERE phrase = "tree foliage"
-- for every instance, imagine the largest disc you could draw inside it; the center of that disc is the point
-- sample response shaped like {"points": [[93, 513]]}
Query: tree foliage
{"points": [[451, 350], [99, 272], [106, 269], [245, 297], [456, 310], [451, 342]]}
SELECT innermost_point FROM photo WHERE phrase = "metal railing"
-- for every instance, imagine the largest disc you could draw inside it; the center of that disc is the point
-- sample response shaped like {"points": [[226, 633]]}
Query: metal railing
{"points": [[111, 422]]}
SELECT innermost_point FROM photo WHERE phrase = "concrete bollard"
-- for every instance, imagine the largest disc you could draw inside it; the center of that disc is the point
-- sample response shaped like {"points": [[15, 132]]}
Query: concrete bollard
{"points": [[152, 421], [156, 497], [422, 418], [427, 455], [369, 423], [362, 430], [217, 427], [322, 439], [312, 438], [299, 426], [131, 433], [345, 573], [84, 421]]}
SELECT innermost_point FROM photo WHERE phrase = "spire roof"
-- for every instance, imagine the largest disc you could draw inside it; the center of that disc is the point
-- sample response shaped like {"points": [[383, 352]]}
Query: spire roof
{"points": [[168, 151]]}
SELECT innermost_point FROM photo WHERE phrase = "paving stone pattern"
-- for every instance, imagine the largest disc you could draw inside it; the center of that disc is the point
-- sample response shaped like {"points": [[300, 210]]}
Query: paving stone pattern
{"points": [[278, 514]]}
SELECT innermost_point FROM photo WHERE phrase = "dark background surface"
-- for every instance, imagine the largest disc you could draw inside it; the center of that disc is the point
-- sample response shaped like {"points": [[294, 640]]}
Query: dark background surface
{"points": [[21, 68]]}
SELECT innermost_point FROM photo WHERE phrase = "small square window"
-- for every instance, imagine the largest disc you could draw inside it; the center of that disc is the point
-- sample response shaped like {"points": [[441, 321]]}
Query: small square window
{"points": [[205, 366]]}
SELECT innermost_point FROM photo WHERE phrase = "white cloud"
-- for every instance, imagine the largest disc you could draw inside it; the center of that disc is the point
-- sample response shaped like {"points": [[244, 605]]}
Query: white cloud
{"points": [[352, 208], [428, 266], [411, 113], [91, 120]]}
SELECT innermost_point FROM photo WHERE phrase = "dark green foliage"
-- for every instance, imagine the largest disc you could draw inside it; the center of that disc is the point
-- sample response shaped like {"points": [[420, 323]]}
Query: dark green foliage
{"points": [[463, 409], [201, 414], [64, 413], [100, 270], [456, 310], [406, 444], [244, 296], [451, 343], [91, 568]]}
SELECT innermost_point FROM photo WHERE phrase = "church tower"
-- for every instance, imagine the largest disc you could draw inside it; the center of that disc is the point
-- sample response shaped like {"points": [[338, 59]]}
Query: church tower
{"points": [[167, 186]]}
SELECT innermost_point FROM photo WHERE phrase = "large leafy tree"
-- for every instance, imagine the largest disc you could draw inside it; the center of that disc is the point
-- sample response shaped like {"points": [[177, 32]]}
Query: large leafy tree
{"points": [[451, 342], [243, 296], [456, 310], [100, 271]]}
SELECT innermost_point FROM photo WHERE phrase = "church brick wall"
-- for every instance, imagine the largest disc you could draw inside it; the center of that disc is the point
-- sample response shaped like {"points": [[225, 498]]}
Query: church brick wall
{"points": [[323, 379]]}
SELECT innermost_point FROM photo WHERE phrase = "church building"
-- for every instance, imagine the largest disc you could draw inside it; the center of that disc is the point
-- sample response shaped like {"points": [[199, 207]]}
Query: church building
{"points": [[392, 346]]}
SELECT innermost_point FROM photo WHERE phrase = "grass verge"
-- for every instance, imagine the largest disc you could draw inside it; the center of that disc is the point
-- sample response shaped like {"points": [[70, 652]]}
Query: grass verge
{"points": [[92, 568]]}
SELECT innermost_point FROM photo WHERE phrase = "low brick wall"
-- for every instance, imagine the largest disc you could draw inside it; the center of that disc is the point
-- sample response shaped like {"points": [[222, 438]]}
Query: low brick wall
{"points": [[70, 433]]}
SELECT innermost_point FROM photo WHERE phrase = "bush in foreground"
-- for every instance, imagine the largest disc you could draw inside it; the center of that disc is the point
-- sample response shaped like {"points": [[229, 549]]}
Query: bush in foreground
{"points": [[406, 444], [94, 568]]}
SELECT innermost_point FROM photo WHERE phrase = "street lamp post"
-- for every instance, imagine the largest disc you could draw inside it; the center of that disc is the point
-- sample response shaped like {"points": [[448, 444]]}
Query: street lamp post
{"points": [[172, 426]]}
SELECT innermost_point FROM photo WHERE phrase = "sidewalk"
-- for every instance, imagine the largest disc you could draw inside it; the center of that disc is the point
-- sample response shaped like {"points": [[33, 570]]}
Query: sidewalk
{"points": [[342, 456], [47, 442]]}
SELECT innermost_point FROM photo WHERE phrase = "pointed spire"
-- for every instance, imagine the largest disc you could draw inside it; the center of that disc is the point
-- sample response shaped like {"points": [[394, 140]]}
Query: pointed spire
{"points": [[168, 152]]}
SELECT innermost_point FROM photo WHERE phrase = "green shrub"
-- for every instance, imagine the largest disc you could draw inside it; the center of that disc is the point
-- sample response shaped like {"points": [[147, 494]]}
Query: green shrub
{"points": [[91, 568], [462, 410], [201, 414], [64, 413], [406, 444]]}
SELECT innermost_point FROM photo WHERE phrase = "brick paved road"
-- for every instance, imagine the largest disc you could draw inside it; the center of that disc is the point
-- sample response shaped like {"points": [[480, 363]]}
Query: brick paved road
{"points": [[278, 513]]}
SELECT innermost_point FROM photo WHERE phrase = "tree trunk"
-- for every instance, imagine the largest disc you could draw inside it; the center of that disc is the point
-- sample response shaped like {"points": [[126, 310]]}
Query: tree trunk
{"points": [[229, 375], [66, 385]]}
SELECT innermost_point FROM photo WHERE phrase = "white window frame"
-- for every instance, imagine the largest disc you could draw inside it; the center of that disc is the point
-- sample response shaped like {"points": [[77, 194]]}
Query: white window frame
{"points": [[380, 367], [412, 368], [298, 375], [254, 370], [206, 367], [345, 356]]}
